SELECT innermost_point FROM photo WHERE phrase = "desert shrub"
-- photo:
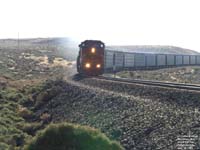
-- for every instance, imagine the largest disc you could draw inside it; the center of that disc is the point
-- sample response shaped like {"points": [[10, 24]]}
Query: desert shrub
{"points": [[71, 137], [45, 117], [13, 139], [131, 74], [10, 134], [4, 146], [41, 98], [48, 84], [1, 95], [25, 112], [18, 139], [47, 94], [30, 128], [12, 95]]}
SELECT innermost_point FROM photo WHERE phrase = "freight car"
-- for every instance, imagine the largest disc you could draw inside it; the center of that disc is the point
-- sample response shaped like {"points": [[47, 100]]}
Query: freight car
{"points": [[117, 61]]}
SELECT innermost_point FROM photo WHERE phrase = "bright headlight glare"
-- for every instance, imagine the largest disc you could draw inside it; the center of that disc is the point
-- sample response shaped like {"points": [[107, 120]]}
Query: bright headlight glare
{"points": [[93, 50], [87, 65], [98, 66]]}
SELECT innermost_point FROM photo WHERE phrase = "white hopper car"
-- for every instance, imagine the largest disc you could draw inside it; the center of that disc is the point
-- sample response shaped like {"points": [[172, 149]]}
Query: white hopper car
{"points": [[116, 60]]}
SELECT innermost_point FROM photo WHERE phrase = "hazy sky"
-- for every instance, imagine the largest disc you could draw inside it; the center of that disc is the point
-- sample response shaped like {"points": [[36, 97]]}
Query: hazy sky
{"points": [[133, 22]]}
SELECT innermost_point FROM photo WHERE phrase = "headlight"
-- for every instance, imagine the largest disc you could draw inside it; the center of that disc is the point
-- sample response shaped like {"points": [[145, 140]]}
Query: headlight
{"points": [[87, 65], [98, 66], [93, 50]]}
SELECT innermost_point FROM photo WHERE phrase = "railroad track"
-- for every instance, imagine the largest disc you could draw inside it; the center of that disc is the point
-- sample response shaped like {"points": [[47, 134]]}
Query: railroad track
{"points": [[153, 83]]}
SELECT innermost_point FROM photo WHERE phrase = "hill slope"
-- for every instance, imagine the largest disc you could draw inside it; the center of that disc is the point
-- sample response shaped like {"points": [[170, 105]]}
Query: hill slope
{"points": [[153, 49], [64, 47]]}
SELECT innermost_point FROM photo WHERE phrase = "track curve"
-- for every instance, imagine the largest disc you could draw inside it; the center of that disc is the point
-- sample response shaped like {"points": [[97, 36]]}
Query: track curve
{"points": [[184, 86]]}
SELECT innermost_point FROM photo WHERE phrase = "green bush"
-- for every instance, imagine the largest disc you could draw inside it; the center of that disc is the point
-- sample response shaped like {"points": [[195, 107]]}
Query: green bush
{"points": [[12, 94], [45, 92], [30, 128], [4, 146], [71, 137]]}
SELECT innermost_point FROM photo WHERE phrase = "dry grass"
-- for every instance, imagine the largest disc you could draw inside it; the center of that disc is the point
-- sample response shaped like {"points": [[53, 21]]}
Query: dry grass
{"points": [[188, 74]]}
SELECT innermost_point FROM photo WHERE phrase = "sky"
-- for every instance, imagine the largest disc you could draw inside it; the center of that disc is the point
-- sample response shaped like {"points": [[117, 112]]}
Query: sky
{"points": [[115, 22]]}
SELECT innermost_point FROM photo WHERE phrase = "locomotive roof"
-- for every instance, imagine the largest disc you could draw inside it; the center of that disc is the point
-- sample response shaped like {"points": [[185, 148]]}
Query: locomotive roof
{"points": [[88, 42], [92, 41]]}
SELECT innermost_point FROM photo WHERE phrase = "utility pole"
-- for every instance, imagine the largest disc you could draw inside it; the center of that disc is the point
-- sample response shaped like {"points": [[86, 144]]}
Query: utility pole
{"points": [[18, 41]]}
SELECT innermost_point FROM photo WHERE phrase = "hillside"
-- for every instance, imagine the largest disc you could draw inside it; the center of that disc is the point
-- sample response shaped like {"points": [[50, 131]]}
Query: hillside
{"points": [[68, 48], [63, 47], [37, 88], [153, 49], [179, 74], [23, 69]]}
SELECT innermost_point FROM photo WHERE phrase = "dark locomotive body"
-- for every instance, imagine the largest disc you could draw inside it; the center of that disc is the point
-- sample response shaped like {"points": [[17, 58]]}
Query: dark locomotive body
{"points": [[90, 60]]}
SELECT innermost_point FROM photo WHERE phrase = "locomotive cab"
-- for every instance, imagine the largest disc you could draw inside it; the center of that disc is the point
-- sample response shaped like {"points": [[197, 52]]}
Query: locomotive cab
{"points": [[90, 60]]}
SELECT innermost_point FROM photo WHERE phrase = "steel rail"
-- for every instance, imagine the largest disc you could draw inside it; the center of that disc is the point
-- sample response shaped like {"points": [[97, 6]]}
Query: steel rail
{"points": [[185, 86]]}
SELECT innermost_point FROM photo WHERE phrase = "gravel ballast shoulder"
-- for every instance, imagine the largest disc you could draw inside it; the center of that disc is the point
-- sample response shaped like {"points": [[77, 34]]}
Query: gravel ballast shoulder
{"points": [[140, 117]]}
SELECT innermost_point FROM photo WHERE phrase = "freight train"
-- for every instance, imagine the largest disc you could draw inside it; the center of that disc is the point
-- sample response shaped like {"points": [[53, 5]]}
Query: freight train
{"points": [[94, 59]]}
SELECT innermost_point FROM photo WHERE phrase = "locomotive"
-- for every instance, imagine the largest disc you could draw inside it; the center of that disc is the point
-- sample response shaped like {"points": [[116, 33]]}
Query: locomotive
{"points": [[90, 60]]}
